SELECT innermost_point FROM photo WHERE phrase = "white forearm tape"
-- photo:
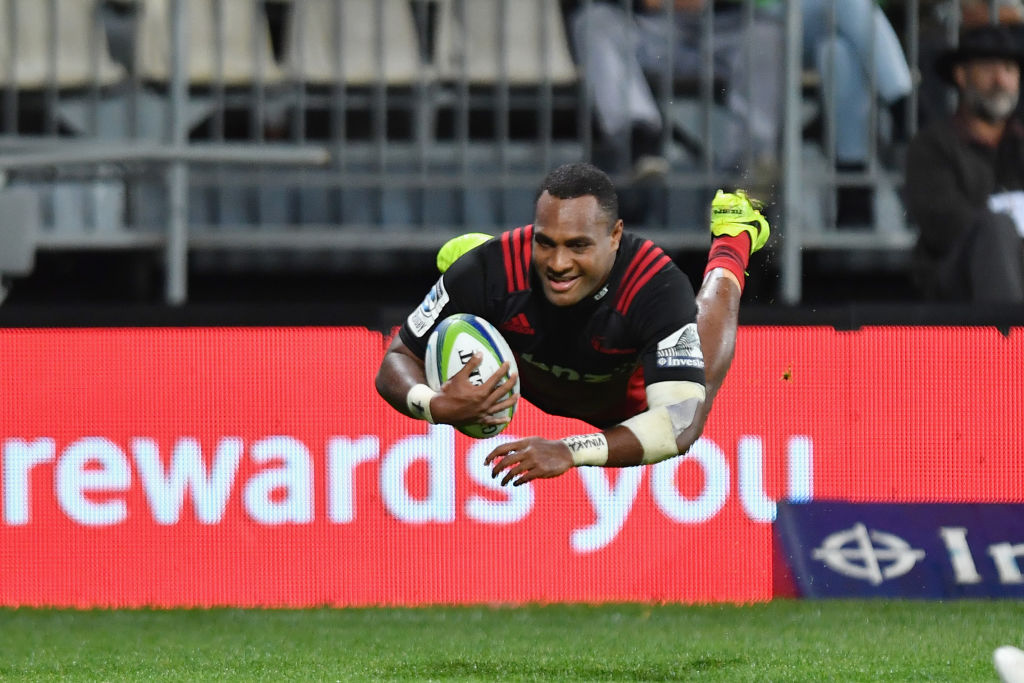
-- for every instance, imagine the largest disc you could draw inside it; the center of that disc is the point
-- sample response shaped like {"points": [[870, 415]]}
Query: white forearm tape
{"points": [[653, 429], [418, 402], [667, 393], [674, 406], [587, 449]]}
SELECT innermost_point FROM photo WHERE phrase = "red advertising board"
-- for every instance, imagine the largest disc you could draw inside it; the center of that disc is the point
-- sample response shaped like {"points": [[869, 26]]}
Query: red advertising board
{"points": [[257, 466]]}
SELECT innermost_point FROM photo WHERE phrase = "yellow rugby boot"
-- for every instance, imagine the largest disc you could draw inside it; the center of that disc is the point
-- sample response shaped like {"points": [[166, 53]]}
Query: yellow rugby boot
{"points": [[733, 213]]}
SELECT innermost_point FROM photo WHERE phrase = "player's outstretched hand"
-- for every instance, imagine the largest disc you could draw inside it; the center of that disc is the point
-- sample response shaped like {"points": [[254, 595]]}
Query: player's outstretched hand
{"points": [[528, 459], [461, 401], [735, 213]]}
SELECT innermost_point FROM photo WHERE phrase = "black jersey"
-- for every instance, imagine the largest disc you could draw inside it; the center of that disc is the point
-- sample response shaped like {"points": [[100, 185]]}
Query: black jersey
{"points": [[591, 360]]}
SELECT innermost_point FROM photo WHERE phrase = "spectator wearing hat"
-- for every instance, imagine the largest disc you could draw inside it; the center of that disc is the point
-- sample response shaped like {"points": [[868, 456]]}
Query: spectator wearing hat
{"points": [[937, 18], [965, 176]]}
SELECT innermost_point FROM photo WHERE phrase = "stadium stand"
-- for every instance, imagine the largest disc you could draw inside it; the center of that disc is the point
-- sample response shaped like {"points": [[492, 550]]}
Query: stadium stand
{"points": [[54, 44], [508, 75], [357, 43], [228, 44], [56, 73], [493, 42], [439, 117], [362, 82]]}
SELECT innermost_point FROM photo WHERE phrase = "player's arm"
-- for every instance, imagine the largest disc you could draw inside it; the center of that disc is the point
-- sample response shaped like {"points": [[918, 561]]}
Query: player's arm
{"points": [[669, 427], [671, 424], [402, 382], [401, 378]]}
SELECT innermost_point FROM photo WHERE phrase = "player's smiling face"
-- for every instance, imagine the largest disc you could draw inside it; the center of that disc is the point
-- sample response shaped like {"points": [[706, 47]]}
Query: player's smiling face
{"points": [[574, 246]]}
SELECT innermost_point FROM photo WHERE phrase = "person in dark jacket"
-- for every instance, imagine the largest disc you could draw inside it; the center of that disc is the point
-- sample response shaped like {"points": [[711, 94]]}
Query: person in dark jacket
{"points": [[965, 176]]}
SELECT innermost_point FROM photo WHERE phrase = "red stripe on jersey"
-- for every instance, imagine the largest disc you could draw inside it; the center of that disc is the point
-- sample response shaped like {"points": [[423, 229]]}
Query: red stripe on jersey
{"points": [[517, 249], [662, 261], [636, 394], [527, 254], [517, 257], [506, 250], [647, 253], [631, 269]]}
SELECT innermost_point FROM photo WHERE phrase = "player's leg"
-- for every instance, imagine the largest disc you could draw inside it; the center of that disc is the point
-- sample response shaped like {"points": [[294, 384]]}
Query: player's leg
{"points": [[738, 229]]}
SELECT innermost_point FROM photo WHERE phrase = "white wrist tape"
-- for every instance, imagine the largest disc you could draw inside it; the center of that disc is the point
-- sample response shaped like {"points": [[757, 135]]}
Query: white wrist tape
{"points": [[587, 449], [418, 402]]}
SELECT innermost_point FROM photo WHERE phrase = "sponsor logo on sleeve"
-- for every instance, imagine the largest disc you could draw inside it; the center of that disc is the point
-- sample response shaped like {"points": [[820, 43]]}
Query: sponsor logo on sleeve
{"points": [[428, 312], [681, 349]]}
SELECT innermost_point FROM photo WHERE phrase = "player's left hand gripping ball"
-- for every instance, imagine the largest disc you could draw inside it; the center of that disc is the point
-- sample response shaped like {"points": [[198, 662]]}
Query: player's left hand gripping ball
{"points": [[452, 344]]}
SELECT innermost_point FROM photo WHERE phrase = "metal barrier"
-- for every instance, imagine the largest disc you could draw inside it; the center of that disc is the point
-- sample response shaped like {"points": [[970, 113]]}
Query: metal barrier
{"points": [[377, 126]]}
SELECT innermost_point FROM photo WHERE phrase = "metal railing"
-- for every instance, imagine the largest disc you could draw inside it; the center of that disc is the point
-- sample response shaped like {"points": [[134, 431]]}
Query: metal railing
{"points": [[390, 137]]}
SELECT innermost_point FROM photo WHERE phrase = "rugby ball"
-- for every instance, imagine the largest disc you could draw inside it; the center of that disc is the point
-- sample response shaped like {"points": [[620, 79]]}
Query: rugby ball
{"points": [[452, 344]]}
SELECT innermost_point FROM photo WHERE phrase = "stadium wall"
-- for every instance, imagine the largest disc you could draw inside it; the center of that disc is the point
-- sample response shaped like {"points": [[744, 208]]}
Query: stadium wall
{"points": [[256, 466]]}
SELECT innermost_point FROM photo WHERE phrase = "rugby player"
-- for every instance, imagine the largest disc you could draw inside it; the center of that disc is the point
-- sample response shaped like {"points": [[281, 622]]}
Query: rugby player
{"points": [[604, 326]]}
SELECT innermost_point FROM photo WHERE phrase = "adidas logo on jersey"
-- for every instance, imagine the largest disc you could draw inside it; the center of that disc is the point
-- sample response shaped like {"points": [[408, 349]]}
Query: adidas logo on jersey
{"points": [[517, 325]]}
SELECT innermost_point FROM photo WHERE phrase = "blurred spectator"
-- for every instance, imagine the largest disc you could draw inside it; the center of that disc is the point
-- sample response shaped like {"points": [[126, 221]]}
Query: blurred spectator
{"points": [[974, 13], [622, 44], [939, 18], [863, 48], [858, 50], [965, 176]]}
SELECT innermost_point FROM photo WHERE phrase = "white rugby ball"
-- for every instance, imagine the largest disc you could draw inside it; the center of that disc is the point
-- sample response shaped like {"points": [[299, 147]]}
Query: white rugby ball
{"points": [[452, 344]]}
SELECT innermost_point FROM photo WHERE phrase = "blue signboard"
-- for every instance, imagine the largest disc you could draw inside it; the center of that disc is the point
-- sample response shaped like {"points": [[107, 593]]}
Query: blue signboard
{"points": [[903, 550]]}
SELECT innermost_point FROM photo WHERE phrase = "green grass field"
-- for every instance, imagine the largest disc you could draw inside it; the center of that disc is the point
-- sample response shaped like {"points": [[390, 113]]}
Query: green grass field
{"points": [[778, 641]]}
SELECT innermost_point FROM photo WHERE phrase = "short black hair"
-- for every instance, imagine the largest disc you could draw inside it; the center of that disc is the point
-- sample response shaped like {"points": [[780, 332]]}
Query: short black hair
{"points": [[581, 179]]}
